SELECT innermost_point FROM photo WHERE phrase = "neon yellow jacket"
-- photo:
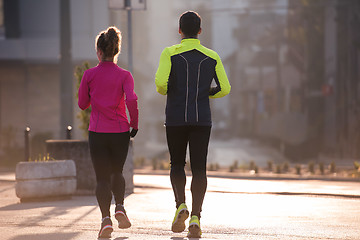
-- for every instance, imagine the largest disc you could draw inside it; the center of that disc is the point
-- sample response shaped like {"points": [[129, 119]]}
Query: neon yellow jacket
{"points": [[185, 74]]}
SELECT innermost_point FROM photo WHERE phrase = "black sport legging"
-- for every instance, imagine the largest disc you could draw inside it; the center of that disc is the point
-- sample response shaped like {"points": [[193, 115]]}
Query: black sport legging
{"points": [[178, 137], [108, 154]]}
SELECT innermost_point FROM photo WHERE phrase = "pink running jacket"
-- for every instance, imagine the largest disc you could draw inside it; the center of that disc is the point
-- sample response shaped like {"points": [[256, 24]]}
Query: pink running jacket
{"points": [[107, 88]]}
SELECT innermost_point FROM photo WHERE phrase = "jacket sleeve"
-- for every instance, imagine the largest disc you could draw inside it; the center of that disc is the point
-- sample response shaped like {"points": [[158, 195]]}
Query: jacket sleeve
{"points": [[131, 101], [163, 72], [222, 83], [84, 96]]}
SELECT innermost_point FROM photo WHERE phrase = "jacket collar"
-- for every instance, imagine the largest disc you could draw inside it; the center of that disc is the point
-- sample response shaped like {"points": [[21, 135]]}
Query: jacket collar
{"points": [[190, 41]]}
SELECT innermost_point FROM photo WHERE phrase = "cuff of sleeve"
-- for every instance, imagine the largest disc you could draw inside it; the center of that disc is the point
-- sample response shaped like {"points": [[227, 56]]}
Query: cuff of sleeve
{"points": [[133, 112]]}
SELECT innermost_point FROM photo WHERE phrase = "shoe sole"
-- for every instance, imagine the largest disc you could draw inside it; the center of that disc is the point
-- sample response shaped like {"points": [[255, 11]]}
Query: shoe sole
{"points": [[122, 219], [106, 232], [179, 224], [194, 231]]}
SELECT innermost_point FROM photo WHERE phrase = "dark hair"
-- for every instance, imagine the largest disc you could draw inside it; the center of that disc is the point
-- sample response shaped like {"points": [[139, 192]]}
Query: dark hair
{"points": [[190, 23], [109, 42]]}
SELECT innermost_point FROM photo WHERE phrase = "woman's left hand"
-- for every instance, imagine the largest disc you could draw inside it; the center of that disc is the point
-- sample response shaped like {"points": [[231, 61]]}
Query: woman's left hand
{"points": [[133, 132]]}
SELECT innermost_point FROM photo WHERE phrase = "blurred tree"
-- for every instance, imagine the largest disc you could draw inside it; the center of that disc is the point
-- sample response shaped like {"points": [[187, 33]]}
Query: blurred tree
{"points": [[306, 28], [84, 116], [305, 35], [348, 78]]}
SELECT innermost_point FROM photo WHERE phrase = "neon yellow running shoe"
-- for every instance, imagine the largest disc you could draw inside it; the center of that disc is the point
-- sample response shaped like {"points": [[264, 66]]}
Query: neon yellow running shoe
{"points": [[181, 214], [194, 228]]}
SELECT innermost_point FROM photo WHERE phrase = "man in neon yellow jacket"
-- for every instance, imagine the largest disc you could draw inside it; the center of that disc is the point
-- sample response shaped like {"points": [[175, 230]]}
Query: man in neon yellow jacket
{"points": [[185, 74]]}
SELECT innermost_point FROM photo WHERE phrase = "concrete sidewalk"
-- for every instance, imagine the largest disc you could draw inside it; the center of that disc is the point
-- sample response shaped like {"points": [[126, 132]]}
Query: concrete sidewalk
{"points": [[233, 209]]}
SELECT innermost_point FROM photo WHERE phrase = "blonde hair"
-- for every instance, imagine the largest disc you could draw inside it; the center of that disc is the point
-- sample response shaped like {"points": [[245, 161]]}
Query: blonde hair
{"points": [[109, 42]]}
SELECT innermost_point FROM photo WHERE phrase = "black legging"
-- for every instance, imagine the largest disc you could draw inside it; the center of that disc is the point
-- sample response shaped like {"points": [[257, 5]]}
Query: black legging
{"points": [[108, 154], [178, 137]]}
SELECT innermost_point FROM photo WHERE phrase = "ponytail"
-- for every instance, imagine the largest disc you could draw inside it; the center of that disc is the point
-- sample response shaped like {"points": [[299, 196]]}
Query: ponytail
{"points": [[109, 42]]}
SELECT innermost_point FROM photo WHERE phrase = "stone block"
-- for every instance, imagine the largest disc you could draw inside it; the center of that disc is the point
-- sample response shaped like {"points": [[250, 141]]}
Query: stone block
{"points": [[35, 180], [79, 152]]}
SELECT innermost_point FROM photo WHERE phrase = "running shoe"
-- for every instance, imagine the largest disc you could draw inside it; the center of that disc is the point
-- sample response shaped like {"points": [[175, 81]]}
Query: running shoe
{"points": [[181, 214], [121, 217], [106, 228], [194, 228]]}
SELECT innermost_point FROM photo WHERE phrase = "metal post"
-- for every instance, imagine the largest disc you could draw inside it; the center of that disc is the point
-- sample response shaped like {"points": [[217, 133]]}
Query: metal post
{"points": [[130, 55], [68, 132], [66, 71], [27, 145], [279, 100]]}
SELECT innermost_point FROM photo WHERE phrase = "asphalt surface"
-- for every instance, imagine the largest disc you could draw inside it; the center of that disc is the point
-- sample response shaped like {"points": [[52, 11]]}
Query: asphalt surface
{"points": [[233, 209]]}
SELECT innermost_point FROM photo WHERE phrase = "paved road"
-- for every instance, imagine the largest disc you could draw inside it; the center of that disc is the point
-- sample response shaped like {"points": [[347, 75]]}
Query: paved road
{"points": [[233, 209]]}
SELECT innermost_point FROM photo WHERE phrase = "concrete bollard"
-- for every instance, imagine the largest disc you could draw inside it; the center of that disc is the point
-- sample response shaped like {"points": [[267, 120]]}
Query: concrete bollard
{"points": [[79, 152], [27, 143], [68, 132], [36, 180]]}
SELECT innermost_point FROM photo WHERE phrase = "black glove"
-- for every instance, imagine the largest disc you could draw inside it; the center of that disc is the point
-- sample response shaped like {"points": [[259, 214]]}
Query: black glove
{"points": [[133, 132], [214, 90]]}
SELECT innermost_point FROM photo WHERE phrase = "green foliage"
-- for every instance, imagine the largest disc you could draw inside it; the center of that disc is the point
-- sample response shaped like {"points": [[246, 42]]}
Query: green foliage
{"points": [[234, 166], [256, 169], [356, 172], [155, 163], [139, 162], [37, 143], [164, 165], [298, 169], [356, 165], [311, 167], [322, 168], [83, 116], [213, 167], [278, 169], [42, 158], [252, 165], [332, 167], [285, 167], [270, 165]]}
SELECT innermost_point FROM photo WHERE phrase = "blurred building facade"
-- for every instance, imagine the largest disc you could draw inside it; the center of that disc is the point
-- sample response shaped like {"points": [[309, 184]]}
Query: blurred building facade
{"points": [[35, 92], [293, 66], [324, 47], [31, 63]]}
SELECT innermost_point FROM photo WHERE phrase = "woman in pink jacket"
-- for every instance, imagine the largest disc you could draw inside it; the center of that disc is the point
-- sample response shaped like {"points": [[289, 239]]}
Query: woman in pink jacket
{"points": [[109, 89]]}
